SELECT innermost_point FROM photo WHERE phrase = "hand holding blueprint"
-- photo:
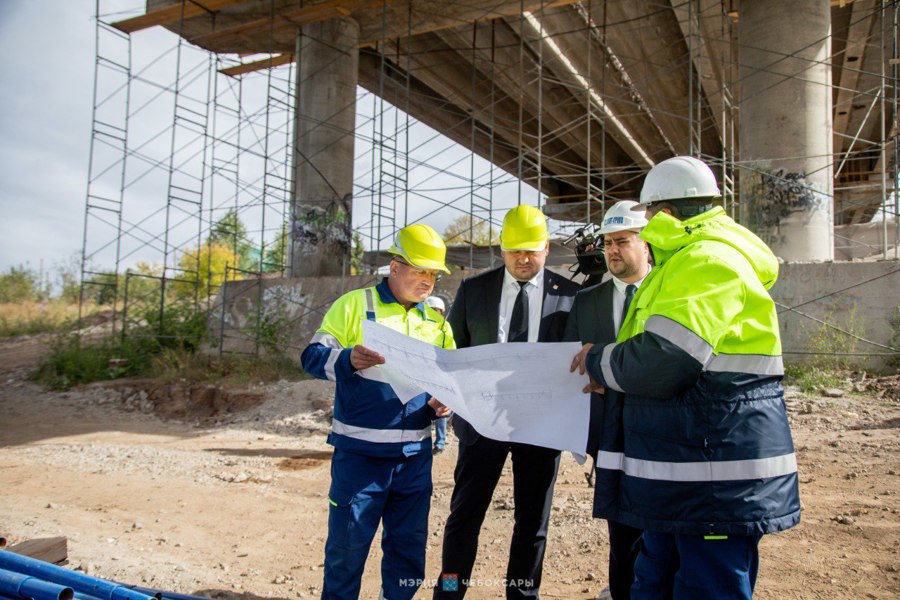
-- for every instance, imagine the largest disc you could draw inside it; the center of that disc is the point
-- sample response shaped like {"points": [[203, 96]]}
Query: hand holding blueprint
{"points": [[510, 392]]}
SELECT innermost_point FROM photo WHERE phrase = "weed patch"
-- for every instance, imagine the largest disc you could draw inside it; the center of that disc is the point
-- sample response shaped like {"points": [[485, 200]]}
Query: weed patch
{"points": [[156, 346], [811, 379]]}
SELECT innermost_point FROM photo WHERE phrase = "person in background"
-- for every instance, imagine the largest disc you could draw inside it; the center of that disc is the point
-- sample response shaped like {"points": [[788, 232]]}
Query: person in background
{"points": [[381, 466], [520, 301], [440, 424], [596, 317], [707, 465]]}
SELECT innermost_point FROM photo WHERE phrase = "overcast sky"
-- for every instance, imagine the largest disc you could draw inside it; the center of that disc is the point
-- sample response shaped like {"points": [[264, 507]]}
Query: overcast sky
{"points": [[46, 87], [46, 79]]}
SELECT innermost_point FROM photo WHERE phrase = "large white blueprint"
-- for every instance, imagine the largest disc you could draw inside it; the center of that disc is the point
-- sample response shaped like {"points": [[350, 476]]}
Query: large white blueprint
{"points": [[510, 392]]}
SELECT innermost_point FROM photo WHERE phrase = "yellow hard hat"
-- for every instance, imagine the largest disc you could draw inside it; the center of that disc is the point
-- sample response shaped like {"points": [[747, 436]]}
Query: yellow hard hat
{"points": [[524, 228], [421, 246]]}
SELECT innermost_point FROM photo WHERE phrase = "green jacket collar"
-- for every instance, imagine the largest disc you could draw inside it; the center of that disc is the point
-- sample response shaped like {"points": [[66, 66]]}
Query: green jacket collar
{"points": [[667, 235]]}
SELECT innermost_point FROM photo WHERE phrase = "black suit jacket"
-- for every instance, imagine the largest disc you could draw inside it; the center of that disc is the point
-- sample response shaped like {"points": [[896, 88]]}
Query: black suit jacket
{"points": [[475, 318], [591, 321]]}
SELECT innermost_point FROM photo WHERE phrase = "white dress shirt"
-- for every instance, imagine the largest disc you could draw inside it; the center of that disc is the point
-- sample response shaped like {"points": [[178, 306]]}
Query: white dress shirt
{"points": [[619, 297], [534, 289]]}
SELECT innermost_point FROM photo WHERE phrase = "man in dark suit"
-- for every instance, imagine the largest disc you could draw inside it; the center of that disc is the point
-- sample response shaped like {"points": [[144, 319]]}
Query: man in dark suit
{"points": [[595, 318], [519, 302]]}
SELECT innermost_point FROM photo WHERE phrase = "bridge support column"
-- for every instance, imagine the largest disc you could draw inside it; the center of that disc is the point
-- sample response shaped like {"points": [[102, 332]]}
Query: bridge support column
{"points": [[327, 73], [786, 126]]}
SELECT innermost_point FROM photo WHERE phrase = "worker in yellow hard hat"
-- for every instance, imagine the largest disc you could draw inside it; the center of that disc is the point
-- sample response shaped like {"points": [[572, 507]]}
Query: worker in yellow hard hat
{"points": [[518, 302], [381, 466]]}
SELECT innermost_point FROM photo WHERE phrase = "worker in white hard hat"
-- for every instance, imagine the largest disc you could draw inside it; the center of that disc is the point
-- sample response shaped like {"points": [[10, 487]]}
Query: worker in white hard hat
{"points": [[440, 424], [596, 318], [706, 465], [519, 302]]}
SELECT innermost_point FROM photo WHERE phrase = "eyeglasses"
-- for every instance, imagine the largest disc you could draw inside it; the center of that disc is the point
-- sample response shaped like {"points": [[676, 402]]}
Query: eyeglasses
{"points": [[420, 273]]}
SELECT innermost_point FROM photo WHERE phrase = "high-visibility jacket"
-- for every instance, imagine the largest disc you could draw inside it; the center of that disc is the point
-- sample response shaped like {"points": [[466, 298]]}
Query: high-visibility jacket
{"points": [[707, 446], [368, 417]]}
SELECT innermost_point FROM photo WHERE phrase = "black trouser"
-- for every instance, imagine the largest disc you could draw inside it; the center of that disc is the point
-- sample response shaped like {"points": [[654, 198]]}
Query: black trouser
{"points": [[478, 470], [624, 547]]}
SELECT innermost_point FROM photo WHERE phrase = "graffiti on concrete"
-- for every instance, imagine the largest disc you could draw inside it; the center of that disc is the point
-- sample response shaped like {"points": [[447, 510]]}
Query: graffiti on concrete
{"points": [[272, 315], [319, 226], [286, 298], [778, 194]]}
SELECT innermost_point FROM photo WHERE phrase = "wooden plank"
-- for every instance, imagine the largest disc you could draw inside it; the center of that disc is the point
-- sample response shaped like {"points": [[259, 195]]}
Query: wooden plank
{"points": [[51, 550], [343, 8], [266, 63], [297, 17], [173, 13]]}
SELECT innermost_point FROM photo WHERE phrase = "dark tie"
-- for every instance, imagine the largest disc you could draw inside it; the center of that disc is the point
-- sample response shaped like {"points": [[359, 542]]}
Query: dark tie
{"points": [[518, 323], [630, 289]]}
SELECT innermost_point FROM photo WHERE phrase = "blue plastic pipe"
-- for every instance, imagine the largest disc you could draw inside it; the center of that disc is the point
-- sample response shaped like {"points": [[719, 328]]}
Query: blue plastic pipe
{"points": [[80, 583], [17, 585], [163, 595]]}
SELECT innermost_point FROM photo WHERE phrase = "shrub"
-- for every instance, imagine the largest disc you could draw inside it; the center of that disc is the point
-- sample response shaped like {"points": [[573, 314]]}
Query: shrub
{"points": [[21, 284], [810, 378], [894, 360], [833, 348], [75, 359]]}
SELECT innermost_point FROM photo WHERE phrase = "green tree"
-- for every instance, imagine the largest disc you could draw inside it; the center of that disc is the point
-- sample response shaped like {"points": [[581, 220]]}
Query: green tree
{"points": [[144, 282], [102, 288], [230, 232], [466, 230], [21, 284], [68, 276], [276, 252], [204, 269]]}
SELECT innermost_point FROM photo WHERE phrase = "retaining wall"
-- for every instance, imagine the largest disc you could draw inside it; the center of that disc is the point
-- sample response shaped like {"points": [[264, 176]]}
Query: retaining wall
{"points": [[858, 297]]}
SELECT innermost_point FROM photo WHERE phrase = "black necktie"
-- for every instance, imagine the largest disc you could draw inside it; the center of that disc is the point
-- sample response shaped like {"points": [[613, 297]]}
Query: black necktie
{"points": [[630, 289], [518, 323]]}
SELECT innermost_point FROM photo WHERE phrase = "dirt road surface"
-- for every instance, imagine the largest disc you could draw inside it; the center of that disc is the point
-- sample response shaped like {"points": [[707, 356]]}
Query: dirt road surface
{"points": [[230, 504]]}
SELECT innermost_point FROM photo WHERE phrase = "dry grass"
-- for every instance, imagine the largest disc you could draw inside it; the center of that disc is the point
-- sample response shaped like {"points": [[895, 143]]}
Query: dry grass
{"points": [[36, 317]]}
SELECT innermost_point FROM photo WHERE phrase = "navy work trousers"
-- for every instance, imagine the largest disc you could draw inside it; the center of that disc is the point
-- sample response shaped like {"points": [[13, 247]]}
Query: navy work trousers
{"points": [[366, 490], [694, 567]]}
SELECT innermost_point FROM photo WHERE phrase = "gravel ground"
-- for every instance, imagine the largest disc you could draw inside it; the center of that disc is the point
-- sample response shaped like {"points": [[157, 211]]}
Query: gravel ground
{"points": [[231, 503]]}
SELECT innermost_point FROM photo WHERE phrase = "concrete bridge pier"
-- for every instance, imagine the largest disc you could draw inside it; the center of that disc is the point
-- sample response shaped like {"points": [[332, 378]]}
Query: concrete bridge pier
{"points": [[786, 126], [325, 118]]}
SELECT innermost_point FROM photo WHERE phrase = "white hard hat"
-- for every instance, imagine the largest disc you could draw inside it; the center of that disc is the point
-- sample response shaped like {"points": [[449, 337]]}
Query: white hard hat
{"points": [[435, 302], [622, 216], [677, 178]]}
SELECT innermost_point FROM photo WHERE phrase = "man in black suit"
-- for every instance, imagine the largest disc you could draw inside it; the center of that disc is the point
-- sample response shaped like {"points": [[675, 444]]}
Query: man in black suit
{"points": [[519, 302], [595, 318]]}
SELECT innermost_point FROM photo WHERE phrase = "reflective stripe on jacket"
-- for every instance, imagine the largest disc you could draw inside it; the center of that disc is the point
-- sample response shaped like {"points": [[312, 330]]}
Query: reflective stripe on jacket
{"points": [[368, 416], [707, 446]]}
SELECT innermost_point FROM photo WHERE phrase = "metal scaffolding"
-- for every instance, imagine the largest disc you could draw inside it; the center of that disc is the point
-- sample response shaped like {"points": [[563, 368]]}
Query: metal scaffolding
{"points": [[183, 138]]}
